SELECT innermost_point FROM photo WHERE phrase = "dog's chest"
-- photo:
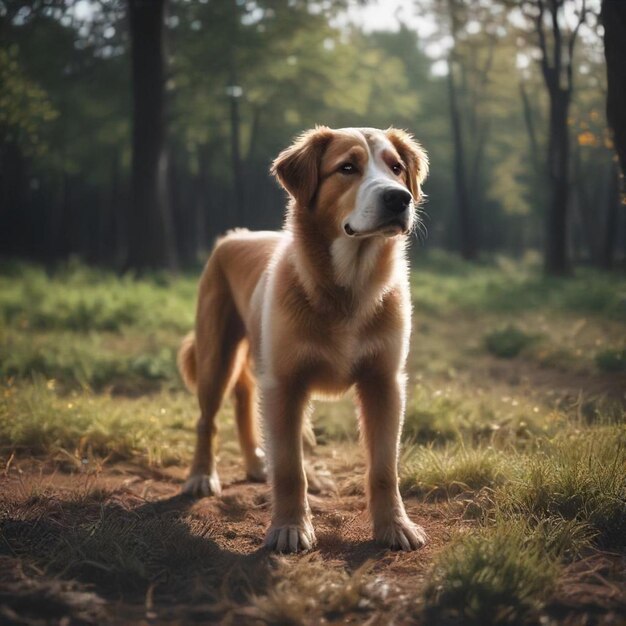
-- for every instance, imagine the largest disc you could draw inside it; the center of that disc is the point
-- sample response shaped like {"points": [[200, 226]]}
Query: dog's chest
{"points": [[338, 359]]}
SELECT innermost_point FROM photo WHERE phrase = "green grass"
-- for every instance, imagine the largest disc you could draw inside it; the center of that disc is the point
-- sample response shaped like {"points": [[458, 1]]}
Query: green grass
{"points": [[456, 412], [154, 430], [544, 510], [453, 470], [508, 342], [81, 299], [87, 361], [612, 360], [441, 283], [579, 476], [498, 575]]}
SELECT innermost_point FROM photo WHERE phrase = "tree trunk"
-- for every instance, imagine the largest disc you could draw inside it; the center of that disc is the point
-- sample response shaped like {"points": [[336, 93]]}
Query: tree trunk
{"points": [[150, 237], [614, 21], [466, 226], [610, 227], [556, 257], [529, 122]]}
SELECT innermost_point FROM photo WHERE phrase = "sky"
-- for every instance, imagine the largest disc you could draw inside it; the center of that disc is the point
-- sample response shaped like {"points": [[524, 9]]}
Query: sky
{"points": [[387, 15]]}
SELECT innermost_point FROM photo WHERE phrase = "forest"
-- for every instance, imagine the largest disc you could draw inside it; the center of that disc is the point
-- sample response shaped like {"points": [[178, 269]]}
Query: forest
{"points": [[134, 133]]}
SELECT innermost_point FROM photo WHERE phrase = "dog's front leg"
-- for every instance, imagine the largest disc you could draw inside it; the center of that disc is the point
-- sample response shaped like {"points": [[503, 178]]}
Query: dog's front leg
{"points": [[381, 401], [283, 410]]}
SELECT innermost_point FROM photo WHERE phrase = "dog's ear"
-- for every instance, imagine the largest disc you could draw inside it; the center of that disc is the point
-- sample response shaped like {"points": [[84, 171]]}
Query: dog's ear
{"points": [[414, 158], [297, 167]]}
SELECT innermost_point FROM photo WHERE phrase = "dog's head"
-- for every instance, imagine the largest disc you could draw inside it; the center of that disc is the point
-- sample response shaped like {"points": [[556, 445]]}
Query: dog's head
{"points": [[364, 182]]}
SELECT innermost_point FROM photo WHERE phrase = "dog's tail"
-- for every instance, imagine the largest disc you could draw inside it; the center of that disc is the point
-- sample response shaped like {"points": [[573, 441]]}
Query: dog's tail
{"points": [[187, 361]]}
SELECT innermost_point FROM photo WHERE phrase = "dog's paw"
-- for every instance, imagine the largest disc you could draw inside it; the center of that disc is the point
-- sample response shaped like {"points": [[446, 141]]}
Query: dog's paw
{"points": [[291, 537], [401, 534], [200, 485], [256, 469]]}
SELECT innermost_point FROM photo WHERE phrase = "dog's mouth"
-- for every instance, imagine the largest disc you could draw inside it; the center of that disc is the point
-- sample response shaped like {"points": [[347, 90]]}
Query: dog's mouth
{"points": [[391, 228]]}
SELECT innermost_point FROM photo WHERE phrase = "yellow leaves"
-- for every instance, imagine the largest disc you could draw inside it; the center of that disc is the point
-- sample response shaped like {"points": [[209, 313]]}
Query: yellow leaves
{"points": [[587, 138]]}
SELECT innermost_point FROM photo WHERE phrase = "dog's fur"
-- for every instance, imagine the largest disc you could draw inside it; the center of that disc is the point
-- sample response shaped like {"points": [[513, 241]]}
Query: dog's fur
{"points": [[316, 308]]}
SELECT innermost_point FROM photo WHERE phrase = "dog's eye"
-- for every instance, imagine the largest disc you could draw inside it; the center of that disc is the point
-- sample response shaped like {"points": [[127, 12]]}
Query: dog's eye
{"points": [[397, 169], [347, 168]]}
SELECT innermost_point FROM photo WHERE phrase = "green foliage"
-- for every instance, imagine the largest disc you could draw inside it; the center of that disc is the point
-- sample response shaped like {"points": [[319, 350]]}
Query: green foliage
{"points": [[499, 575], [76, 362], [79, 299], [579, 477], [507, 342], [35, 420], [24, 106], [612, 360], [453, 470], [435, 416], [502, 286]]}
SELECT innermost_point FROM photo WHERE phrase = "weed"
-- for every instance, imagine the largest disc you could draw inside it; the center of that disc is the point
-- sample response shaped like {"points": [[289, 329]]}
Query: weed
{"points": [[35, 420], [611, 360], [498, 575], [579, 477], [507, 342], [453, 470]]}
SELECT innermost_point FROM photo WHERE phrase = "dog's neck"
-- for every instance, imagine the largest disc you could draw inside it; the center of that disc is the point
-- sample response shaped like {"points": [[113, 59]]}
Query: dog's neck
{"points": [[345, 276]]}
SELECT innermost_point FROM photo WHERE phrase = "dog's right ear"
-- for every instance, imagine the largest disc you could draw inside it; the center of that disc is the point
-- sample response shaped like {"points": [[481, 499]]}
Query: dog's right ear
{"points": [[297, 167]]}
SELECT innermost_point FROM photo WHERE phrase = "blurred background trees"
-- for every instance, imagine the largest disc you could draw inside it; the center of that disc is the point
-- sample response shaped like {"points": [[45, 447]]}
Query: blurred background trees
{"points": [[132, 132]]}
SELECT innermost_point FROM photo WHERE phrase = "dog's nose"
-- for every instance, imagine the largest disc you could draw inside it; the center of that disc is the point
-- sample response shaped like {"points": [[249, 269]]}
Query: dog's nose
{"points": [[397, 200]]}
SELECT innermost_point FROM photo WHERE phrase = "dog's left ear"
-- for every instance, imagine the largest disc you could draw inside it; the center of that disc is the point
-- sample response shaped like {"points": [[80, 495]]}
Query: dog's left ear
{"points": [[297, 167], [414, 157]]}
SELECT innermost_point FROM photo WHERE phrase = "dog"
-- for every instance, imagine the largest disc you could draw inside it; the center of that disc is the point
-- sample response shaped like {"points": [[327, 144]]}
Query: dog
{"points": [[318, 308]]}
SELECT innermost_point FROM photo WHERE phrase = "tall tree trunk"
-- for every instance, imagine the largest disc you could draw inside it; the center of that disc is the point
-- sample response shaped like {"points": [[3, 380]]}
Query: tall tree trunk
{"points": [[150, 237], [556, 257], [614, 21], [557, 68], [466, 226], [610, 227], [529, 122]]}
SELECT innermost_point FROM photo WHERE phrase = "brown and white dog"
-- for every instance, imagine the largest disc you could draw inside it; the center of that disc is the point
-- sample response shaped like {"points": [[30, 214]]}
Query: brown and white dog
{"points": [[319, 307]]}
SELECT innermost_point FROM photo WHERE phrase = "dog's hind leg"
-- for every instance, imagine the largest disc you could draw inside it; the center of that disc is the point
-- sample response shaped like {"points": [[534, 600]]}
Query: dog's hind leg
{"points": [[247, 421], [219, 332]]}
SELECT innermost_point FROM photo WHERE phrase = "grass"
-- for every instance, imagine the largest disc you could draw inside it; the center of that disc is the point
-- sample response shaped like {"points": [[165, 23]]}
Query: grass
{"points": [[508, 342], [87, 361], [499, 575], [306, 591], [456, 412], [441, 282], [452, 470], [82, 300], [544, 509], [579, 477], [154, 430], [612, 360], [529, 452]]}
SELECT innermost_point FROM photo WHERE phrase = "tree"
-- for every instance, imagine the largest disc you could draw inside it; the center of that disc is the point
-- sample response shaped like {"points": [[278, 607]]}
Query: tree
{"points": [[614, 21], [556, 41], [150, 235]]}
